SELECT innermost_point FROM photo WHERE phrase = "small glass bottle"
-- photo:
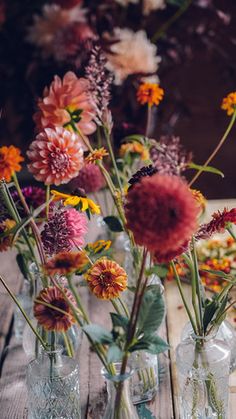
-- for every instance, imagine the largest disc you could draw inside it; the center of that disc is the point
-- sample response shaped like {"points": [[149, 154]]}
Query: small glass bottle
{"points": [[119, 405], [144, 381], [203, 373], [53, 387]]}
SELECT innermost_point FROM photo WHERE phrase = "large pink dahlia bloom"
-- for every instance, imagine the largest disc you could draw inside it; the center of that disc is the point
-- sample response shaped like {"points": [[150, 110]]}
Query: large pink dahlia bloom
{"points": [[56, 156], [67, 99]]}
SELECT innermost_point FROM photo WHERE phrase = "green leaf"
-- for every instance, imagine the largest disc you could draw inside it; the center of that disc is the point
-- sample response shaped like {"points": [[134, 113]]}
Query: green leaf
{"points": [[159, 270], [152, 344], [114, 354], [113, 223], [119, 321], [22, 265], [221, 274], [209, 169], [209, 312], [144, 412], [151, 312], [98, 334]]}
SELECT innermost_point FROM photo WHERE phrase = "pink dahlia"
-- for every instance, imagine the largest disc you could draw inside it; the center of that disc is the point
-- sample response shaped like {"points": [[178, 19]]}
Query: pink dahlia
{"points": [[218, 224], [65, 229], [90, 179], [161, 212], [67, 101], [56, 156]]}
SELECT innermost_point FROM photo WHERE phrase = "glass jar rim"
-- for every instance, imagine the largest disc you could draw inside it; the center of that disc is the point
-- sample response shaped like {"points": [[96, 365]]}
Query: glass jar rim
{"points": [[117, 377]]}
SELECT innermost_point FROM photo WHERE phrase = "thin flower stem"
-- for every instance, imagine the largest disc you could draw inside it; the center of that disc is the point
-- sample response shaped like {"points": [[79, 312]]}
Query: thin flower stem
{"points": [[149, 121], [23, 312], [53, 307], [197, 282], [68, 345], [77, 298], [47, 200], [218, 147], [108, 140], [189, 262], [125, 308], [116, 307], [183, 297], [230, 230]]}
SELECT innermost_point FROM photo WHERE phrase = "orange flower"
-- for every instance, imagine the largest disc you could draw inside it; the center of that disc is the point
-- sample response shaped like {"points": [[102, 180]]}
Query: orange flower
{"points": [[5, 226], [65, 263], [96, 154], [199, 198], [229, 103], [10, 158], [135, 148], [59, 318], [150, 93], [106, 279]]}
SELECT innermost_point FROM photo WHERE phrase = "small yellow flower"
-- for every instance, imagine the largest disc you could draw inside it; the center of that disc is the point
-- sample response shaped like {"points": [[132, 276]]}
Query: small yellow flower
{"points": [[135, 148], [5, 227], [99, 245], [199, 198], [96, 154], [150, 93], [229, 103], [74, 200]]}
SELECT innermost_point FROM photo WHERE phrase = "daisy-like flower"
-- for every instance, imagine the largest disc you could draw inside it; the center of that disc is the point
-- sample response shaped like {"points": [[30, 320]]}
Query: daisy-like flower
{"points": [[64, 230], [96, 155], [5, 227], [161, 212], [106, 279], [56, 156], [65, 263], [60, 318], [199, 198], [135, 148], [127, 55], [151, 5], [150, 93], [74, 200], [218, 224], [229, 103], [90, 179], [67, 103], [98, 246], [10, 159]]}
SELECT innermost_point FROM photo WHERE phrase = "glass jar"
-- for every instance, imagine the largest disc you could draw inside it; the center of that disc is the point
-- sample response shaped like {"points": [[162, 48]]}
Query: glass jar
{"points": [[144, 381], [119, 404], [226, 333], [203, 374], [53, 387]]}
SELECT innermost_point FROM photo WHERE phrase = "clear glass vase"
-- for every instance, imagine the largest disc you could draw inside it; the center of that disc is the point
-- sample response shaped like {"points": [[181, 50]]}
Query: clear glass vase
{"points": [[144, 381], [203, 374], [119, 404], [53, 387], [226, 333], [25, 300]]}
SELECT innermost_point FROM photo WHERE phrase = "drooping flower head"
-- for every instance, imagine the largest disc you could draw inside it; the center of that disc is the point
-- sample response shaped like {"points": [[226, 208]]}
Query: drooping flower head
{"points": [[161, 212], [65, 229], [96, 155], [218, 224], [65, 263], [67, 103], [56, 156], [10, 159], [150, 94], [51, 318], [90, 179], [229, 103], [106, 279], [134, 148], [5, 227]]}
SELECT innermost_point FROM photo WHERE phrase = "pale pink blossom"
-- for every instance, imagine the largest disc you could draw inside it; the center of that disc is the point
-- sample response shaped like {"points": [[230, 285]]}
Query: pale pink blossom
{"points": [[151, 5]]}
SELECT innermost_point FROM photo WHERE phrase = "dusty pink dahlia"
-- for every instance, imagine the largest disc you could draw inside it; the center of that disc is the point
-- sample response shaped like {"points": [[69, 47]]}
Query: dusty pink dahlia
{"points": [[90, 179], [56, 156], [67, 100], [65, 229], [161, 212]]}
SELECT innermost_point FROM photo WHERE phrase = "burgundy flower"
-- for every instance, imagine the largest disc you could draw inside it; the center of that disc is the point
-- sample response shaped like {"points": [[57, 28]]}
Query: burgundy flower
{"points": [[34, 197], [161, 256], [218, 224], [90, 179]]}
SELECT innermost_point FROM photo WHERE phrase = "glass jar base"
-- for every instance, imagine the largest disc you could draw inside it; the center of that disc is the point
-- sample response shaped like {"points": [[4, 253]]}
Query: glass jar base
{"points": [[144, 397]]}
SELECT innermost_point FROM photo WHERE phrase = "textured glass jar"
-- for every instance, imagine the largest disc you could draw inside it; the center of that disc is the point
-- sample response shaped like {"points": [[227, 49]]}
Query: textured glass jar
{"points": [[116, 383], [226, 333], [144, 380], [203, 374], [53, 387]]}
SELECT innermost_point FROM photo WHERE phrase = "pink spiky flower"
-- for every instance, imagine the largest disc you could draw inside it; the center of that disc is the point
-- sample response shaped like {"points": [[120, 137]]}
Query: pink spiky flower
{"points": [[218, 223]]}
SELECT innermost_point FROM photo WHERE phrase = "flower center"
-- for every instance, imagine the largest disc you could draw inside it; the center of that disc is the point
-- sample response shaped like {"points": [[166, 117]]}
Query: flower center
{"points": [[60, 161], [106, 278], [59, 303], [63, 263]]}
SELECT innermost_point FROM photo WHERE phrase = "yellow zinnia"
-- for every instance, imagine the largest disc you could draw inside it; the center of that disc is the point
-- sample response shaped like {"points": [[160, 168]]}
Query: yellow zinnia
{"points": [[74, 200]]}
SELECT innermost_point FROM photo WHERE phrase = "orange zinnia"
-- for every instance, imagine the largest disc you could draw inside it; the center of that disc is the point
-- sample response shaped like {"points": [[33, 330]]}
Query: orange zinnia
{"points": [[66, 263], [106, 279], [10, 158], [229, 103], [150, 93], [96, 154]]}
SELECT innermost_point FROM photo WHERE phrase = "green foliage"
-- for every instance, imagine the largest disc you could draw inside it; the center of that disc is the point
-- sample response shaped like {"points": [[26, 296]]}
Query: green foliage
{"points": [[160, 270], [151, 312], [119, 321], [151, 343], [113, 223], [144, 412], [21, 262], [114, 353], [98, 333], [209, 169], [209, 312]]}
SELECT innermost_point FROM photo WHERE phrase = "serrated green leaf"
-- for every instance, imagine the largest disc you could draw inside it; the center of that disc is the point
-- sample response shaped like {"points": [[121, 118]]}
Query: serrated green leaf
{"points": [[114, 354], [209, 169], [151, 312], [113, 223], [98, 333]]}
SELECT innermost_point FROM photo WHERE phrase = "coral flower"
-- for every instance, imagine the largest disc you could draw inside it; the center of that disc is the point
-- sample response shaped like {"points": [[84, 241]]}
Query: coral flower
{"points": [[56, 156], [229, 103], [199, 198], [5, 226], [218, 224], [67, 103], [10, 159], [161, 212], [65, 263], [50, 318], [64, 230], [74, 200], [106, 279], [135, 148], [150, 93], [96, 154], [90, 179]]}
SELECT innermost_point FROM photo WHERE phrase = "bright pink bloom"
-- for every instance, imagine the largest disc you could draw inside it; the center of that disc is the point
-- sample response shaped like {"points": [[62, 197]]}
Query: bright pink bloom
{"points": [[67, 99], [56, 156]]}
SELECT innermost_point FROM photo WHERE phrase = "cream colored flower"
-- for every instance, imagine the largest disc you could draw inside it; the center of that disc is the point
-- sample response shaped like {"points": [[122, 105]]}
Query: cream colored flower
{"points": [[150, 5], [133, 54]]}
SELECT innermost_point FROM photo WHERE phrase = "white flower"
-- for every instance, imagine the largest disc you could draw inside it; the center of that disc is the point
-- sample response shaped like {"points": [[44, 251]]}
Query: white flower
{"points": [[126, 2], [150, 5], [132, 54], [53, 19]]}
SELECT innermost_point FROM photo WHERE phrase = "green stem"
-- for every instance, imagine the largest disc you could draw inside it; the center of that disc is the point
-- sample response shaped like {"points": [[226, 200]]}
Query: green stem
{"points": [[230, 230], [116, 307], [218, 147], [77, 299], [125, 308], [69, 348], [149, 119], [108, 140], [193, 287], [47, 200], [197, 282]]}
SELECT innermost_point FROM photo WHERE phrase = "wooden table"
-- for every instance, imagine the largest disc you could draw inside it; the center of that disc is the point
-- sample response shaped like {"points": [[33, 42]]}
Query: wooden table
{"points": [[13, 394]]}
